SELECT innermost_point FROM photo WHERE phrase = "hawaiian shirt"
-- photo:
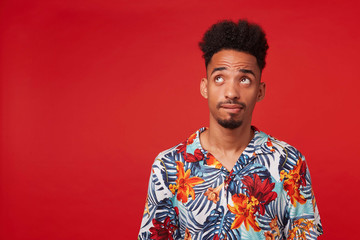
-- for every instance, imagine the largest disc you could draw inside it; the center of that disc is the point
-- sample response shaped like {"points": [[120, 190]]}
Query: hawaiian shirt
{"points": [[267, 195]]}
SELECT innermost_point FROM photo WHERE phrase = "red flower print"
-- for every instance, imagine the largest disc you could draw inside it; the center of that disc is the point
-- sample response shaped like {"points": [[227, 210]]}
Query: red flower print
{"points": [[181, 148], [197, 156], [260, 190], [162, 231]]}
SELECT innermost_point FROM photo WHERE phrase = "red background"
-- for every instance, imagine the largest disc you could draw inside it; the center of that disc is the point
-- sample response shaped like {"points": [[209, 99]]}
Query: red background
{"points": [[91, 91]]}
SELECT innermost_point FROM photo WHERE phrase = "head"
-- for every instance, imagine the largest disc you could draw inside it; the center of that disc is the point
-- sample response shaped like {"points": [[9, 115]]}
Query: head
{"points": [[234, 56]]}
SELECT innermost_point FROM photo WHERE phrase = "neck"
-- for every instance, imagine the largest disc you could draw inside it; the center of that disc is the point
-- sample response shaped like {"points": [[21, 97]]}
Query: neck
{"points": [[227, 140]]}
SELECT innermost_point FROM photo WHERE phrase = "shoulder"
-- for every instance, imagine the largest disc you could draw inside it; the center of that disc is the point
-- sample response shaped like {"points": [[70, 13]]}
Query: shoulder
{"points": [[166, 159], [188, 150], [280, 145], [277, 155], [268, 144]]}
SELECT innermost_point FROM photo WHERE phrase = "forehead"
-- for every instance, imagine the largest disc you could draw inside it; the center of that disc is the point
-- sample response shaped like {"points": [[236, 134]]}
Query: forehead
{"points": [[232, 59]]}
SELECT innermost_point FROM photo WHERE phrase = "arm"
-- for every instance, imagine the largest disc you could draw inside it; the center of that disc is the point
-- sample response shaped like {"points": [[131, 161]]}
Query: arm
{"points": [[304, 219], [160, 218]]}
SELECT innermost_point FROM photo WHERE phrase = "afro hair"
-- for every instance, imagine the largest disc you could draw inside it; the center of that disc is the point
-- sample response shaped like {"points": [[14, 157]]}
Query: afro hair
{"points": [[241, 36]]}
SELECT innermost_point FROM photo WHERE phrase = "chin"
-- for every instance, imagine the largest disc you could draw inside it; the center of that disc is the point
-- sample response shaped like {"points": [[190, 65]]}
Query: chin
{"points": [[229, 123]]}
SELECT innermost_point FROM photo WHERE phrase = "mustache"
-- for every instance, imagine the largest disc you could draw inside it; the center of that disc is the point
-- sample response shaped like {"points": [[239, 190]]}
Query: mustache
{"points": [[241, 104]]}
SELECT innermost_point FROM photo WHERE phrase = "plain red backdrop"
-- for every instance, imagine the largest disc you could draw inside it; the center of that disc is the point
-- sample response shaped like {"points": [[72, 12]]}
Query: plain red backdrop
{"points": [[91, 91]]}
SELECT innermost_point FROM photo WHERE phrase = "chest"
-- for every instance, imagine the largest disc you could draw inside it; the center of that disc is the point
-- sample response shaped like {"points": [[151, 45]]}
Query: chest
{"points": [[225, 197]]}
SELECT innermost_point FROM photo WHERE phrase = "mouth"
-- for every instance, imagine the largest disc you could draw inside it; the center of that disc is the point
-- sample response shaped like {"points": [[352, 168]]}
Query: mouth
{"points": [[232, 108]]}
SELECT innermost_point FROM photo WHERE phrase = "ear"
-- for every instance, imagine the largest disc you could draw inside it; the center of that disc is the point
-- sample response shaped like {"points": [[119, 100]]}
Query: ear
{"points": [[261, 92], [204, 88]]}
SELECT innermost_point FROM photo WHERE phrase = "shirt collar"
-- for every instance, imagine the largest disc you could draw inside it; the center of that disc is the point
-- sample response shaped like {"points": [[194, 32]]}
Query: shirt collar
{"points": [[259, 145]]}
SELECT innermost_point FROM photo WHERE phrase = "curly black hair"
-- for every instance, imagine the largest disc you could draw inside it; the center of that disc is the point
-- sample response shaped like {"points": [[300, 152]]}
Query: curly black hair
{"points": [[241, 36]]}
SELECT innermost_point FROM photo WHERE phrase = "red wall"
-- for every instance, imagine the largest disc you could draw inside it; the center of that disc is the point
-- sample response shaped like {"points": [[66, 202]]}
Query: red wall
{"points": [[91, 91]]}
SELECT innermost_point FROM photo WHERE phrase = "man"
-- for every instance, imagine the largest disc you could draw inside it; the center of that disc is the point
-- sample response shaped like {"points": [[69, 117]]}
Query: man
{"points": [[230, 180]]}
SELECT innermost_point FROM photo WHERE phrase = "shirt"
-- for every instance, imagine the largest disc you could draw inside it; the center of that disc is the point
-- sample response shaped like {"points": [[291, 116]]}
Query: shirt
{"points": [[267, 195]]}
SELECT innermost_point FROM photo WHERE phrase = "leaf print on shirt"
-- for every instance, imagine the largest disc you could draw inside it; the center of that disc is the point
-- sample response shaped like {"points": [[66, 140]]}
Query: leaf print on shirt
{"points": [[184, 183], [294, 180]]}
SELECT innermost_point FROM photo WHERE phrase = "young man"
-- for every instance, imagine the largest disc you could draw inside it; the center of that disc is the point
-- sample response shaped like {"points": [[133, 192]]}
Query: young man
{"points": [[230, 180]]}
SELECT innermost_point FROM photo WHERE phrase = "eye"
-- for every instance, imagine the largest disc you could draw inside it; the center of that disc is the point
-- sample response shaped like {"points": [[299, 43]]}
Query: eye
{"points": [[245, 80], [219, 79]]}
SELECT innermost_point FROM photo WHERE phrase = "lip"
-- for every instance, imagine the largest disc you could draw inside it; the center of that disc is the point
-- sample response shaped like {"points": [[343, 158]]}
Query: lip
{"points": [[233, 108]]}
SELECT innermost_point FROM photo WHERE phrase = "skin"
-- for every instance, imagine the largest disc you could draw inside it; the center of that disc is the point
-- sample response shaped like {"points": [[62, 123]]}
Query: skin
{"points": [[232, 88]]}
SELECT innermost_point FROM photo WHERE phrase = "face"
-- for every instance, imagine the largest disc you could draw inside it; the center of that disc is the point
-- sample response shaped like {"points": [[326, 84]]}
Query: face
{"points": [[232, 88]]}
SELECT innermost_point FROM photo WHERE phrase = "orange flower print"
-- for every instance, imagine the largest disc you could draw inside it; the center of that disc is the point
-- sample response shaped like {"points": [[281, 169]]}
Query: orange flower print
{"points": [[187, 234], [269, 236], [244, 210], [293, 180], [300, 227], [213, 193], [211, 161], [274, 226], [184, 183]]}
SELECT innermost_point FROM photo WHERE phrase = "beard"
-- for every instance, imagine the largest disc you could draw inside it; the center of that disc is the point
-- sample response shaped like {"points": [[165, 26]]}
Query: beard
{"points": [[230, 123]]}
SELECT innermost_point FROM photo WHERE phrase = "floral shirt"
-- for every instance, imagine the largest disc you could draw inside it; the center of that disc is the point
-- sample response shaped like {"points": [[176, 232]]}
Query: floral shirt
{"points": [[267, 195]]}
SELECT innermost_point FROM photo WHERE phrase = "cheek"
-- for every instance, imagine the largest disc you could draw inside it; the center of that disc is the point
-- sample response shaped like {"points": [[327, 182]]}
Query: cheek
{"points": [[252, 101], [211, 102]]}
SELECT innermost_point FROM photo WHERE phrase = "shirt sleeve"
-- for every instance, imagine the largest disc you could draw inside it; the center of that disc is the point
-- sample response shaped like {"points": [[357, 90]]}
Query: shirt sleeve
{"points": [[160, 217], [304, 219]]}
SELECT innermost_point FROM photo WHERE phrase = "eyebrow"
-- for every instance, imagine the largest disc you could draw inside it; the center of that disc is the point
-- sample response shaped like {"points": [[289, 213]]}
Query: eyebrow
{"points": [[240, 70]]}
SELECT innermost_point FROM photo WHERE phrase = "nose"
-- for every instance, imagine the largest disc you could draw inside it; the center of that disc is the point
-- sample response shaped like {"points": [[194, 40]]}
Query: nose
{"points": [[232, 91]]}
